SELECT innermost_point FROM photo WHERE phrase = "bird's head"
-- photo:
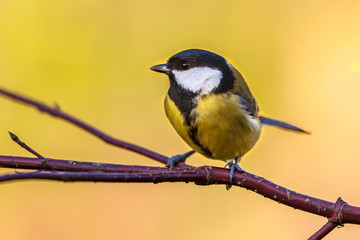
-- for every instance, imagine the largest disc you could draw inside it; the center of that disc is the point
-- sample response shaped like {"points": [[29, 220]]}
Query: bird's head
{"points": [[198, 71]]}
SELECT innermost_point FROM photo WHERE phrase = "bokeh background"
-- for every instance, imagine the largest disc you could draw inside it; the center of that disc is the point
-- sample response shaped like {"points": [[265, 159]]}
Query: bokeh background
{"points": [[301, 60]]}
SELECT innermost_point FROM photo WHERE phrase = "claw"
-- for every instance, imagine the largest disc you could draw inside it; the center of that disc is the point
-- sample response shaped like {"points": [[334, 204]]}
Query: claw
{"points": [[178, 158], [233, 166], [229, 163]]}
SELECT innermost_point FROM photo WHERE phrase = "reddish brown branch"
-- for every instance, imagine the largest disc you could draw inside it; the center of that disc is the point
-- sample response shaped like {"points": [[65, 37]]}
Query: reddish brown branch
{"points": [[322, 232], [71, 165], [156, 177], [338, 213]]}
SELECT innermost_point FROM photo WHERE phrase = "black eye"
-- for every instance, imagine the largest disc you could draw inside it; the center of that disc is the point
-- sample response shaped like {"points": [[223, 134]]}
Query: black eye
{"points": [[184, 66]]}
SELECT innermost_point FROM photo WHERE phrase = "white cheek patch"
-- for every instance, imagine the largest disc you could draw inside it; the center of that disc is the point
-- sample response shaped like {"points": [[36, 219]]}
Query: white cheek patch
{"points": [[198, 79]]}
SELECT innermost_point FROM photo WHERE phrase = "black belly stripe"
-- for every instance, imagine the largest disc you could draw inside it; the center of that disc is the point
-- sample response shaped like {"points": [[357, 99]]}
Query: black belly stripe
{"points": [[193, 136], [185, 101]]}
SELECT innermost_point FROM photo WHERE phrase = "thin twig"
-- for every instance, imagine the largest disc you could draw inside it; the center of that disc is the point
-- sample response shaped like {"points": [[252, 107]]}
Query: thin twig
{"points": [[322, 232], [24, 145]]}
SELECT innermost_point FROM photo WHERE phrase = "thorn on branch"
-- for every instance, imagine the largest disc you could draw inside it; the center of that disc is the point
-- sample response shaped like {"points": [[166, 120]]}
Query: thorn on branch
{"points": [[25, 146], [57, 106]]}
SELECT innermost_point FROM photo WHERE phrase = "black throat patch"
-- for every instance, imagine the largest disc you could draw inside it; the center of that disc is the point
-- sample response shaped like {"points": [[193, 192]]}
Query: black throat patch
{"points": [[183, 99]]}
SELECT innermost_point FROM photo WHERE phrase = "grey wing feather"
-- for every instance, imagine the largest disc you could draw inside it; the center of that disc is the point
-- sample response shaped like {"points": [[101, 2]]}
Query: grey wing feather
{"points": [[277, 123], [252, 108], [241, 89]]}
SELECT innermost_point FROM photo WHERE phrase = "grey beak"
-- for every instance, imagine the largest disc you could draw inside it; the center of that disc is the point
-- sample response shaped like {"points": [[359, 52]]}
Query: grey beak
{"points": [[160, 68]]}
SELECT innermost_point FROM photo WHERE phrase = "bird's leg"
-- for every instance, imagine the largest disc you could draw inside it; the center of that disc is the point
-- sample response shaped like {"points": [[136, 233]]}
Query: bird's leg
{"points": [[178, 158], [233, 166]]}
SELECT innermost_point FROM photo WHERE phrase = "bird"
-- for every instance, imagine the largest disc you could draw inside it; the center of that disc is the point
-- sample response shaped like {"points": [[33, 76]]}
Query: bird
{"points": [[212, 108]]}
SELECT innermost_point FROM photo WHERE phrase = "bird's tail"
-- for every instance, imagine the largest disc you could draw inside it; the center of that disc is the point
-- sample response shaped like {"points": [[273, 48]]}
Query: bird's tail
{"points": [[277, 123]]}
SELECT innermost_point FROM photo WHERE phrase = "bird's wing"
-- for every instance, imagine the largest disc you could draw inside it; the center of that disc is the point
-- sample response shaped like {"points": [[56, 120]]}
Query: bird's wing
{"points": [[277, 123], [248, 101], [242, 90]]}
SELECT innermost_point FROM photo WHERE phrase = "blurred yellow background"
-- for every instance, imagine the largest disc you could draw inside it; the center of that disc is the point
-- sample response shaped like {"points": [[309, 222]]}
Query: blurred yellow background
{"points": [[300, 59]]}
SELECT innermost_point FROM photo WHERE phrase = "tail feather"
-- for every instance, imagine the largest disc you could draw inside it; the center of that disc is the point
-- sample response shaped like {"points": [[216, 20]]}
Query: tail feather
{"points": [[277, 123]]}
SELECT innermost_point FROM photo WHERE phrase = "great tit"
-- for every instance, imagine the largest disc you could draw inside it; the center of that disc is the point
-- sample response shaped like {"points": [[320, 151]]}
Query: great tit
{"points": [[211, 107]]}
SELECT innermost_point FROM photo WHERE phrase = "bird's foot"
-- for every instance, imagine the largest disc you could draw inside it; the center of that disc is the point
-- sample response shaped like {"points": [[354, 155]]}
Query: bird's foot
{"points": [[233, 166], [178, 158]]}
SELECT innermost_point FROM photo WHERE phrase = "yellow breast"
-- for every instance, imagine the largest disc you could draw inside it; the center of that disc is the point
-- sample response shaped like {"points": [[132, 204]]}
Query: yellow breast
{"points": [[219, 126]]}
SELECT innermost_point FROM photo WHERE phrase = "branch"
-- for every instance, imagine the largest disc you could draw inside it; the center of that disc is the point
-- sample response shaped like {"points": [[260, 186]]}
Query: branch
{"points": [[322, 232], [57, 112], [155, 177], [338, 213]]}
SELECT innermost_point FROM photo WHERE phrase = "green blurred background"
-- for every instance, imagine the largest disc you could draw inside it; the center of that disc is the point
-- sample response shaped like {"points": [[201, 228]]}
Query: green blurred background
{"points": [[301, 61]]}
